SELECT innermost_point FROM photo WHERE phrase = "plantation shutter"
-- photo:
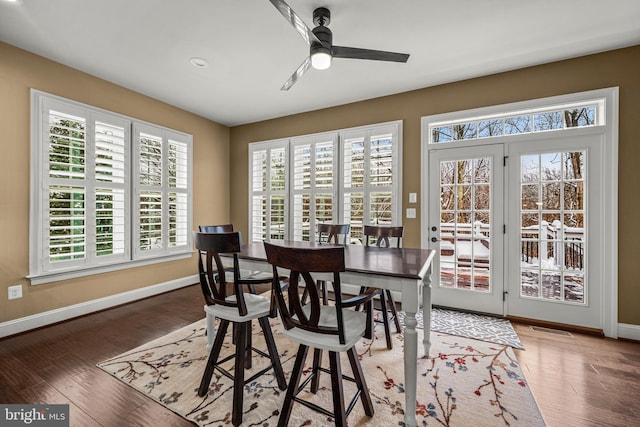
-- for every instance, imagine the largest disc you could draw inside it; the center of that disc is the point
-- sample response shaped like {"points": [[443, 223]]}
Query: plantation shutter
{"points": [[314, 189], [67, 187], [268, 174], [107, 192], [342, 177], [111, 204], [161, 218], [371, 178], [85, 198], [178, 175]]}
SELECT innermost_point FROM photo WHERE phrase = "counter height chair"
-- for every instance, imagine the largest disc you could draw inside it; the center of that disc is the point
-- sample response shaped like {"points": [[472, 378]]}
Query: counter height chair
{"points": [[334, 328], [224, 228], [256, 278], [237, 307], [383, 237], [329, 233]]}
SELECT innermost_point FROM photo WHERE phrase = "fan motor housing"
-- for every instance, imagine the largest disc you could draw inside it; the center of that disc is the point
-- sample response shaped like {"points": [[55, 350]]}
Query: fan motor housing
{"points": [[321, 16], [324, 35]]}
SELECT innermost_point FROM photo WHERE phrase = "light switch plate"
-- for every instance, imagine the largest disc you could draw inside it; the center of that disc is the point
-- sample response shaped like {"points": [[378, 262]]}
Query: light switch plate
{"points": [[14, 292], [413, 197], [411, 212]]}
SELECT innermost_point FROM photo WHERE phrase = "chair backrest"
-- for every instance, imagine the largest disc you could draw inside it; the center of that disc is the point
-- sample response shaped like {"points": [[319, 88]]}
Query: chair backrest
{"points": [[301, 262], [333, 232], [382, 235], [212, 272], [225, 228]]}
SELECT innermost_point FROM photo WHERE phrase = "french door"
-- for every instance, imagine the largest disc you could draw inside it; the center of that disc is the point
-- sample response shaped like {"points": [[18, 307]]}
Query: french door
{"points": [[555, 236], [518, 228], [466, 193]]}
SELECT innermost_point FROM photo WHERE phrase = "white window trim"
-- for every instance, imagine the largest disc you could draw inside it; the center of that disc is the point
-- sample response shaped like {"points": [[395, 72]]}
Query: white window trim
{"points": [[610, 162], [38, 222], [268, 146], [312, 140], [394, 127]]}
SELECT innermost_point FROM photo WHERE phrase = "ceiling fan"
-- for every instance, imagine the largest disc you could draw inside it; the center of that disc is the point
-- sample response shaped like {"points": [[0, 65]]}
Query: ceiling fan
{"points": [[320, 40]]}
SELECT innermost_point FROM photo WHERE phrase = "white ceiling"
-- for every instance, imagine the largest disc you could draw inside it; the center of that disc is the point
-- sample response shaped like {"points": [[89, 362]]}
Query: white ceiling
{"points": [[145, 45]]}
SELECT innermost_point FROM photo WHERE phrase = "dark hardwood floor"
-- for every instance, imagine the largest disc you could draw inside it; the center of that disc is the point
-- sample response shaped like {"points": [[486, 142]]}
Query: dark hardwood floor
{"points": [[577, 380]]}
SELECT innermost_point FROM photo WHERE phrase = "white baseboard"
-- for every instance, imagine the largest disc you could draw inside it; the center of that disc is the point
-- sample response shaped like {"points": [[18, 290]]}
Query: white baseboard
{"points": [[630, 332], [23, 324]]}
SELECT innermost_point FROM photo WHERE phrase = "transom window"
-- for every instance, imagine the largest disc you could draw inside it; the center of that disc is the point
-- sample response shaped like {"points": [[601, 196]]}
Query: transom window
{"points": [[552, 118], [351, 176], [107, 190]]}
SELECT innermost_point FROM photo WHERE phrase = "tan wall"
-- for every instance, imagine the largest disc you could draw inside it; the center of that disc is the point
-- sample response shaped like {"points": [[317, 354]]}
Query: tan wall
{"points": [[19, 72], [615, 68]]}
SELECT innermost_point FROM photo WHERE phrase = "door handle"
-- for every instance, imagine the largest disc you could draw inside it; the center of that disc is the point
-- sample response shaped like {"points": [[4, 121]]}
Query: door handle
{"points": [[435, 239]]}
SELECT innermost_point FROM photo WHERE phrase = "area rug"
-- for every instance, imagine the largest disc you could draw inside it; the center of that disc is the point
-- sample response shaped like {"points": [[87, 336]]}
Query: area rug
{"points": [[471, 325], [465, 382]]}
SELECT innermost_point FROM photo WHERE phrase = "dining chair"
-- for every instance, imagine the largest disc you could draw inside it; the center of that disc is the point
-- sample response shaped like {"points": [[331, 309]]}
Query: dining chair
{"points": [[236, 307], [334, 328], [255, 276], [224, 228], [383, 236], [328, 233], [331, 233]]}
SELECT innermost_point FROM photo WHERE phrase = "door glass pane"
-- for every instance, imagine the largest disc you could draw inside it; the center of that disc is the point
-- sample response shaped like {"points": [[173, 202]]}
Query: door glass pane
{"points": [[465, 218], [552, 242]]}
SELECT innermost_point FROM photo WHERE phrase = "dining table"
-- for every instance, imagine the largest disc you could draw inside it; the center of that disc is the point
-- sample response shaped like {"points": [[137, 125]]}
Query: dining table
{"points": [[404, 270]]}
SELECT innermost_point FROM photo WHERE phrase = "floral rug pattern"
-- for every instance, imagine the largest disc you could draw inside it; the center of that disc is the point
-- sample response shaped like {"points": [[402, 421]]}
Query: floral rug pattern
{"points": [[464, 382]]}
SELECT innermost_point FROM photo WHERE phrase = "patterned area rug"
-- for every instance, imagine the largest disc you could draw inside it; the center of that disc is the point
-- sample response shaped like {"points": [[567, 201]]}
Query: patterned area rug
{"points": [[470, 325], [465, 382]]}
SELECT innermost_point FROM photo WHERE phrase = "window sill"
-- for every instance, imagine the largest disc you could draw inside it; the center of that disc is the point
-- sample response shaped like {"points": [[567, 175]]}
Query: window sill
{"points": [[39, 279]]}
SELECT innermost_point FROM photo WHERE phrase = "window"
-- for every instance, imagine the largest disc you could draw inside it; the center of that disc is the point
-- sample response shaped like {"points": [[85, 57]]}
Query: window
{"points": [[268, 184], [370, 178], [557, 117], [107, 190], [314, 189], [350, 176]]}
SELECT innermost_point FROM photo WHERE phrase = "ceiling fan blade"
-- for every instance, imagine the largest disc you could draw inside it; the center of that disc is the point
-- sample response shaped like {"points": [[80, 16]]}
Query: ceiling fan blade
{"points": [[376, 55], [295, 21], [297, 74]]}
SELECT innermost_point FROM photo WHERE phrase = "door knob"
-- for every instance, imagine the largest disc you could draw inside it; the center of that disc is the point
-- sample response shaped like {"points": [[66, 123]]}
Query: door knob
{"points": [[435, 239]]}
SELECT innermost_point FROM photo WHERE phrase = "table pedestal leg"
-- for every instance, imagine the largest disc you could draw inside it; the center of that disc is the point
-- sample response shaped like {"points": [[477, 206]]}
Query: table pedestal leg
{"points": [[426, 313], [410, 367]]}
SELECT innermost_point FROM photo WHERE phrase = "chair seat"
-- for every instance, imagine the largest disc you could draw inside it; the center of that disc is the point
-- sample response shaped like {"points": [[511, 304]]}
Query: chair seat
{"points": [[257, 306], [249, 274], [355, 324]]}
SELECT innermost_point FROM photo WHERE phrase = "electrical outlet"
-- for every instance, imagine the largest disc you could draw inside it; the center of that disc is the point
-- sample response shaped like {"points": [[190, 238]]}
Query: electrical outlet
{"points": [[15, 292]]}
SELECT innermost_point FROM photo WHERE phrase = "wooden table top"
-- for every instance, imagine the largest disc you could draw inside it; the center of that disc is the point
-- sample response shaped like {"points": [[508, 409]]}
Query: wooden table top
{"points": [[406, 263]]}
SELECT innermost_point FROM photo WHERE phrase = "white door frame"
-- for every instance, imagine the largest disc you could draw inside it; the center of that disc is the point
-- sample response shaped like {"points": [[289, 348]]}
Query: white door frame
{"points": [[486, 302], [588, 314], [607, 126]]}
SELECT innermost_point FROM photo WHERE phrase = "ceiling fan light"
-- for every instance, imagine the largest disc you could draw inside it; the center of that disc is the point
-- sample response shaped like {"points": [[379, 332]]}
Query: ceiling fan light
{"points": [[321, 60]]}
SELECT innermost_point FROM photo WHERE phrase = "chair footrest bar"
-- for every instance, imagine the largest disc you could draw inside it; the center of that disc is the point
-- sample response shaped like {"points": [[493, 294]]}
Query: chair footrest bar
{"points": [[344, 377], [257, 374], [314, 407], [353, 402]]}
